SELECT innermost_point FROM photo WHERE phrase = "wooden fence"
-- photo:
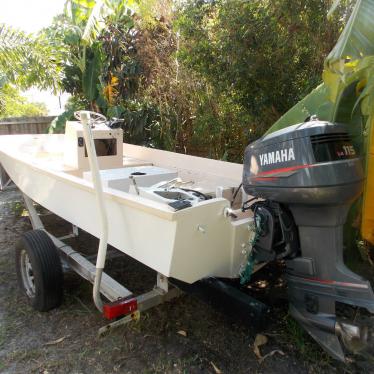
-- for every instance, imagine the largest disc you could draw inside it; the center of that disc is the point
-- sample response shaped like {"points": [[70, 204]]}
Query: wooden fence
{"points": [[25, 125]]}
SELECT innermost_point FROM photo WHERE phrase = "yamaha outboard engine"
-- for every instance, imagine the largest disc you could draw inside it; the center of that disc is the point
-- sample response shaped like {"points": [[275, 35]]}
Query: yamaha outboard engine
{"points": [[307, 177]]}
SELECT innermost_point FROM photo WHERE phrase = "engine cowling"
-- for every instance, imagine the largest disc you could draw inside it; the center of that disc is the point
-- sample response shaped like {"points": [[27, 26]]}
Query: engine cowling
{"points": [[309, 163]]}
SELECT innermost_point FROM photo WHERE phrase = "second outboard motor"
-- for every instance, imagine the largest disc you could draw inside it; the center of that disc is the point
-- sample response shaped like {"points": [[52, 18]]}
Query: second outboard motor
{"points": [[308, 175]]}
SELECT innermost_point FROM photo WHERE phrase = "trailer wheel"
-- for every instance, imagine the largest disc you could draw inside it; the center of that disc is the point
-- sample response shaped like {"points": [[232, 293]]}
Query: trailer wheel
{"points": [[39, 270]]}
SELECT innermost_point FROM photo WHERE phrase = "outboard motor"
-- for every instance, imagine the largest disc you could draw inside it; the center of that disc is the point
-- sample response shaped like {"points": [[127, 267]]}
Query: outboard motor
{"points": [[308, 175]]}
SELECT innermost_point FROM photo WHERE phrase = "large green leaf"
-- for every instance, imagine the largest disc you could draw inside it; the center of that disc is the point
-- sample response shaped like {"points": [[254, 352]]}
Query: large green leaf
{"points": [[102, 10], [58, 124], [79, 10], [95, 22], [348, 67], [91, 75], [314, 103], [357, 38]]}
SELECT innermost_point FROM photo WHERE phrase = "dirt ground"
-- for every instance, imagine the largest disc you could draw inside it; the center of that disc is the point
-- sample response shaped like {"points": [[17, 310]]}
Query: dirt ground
{"points": [[183, 336]]}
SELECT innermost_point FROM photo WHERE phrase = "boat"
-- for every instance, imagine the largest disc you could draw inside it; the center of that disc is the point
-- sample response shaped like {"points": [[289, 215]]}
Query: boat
{"points": [[177, 214], [199, 223]]}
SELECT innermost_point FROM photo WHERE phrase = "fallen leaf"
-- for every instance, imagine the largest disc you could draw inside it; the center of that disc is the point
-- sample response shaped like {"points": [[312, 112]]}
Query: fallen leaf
{"points": [[57, 341], [216, 370], [259, 341], [272, 353], [182, 332]]}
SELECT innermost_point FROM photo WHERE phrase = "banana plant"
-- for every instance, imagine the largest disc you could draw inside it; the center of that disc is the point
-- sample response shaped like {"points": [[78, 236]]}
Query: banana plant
{"points": [[347, 95], [348, 79], [104, 11], [87, 28]]}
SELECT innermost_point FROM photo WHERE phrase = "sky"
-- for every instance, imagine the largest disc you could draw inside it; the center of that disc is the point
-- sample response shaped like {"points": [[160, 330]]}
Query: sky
{"points": [[31, 16]]}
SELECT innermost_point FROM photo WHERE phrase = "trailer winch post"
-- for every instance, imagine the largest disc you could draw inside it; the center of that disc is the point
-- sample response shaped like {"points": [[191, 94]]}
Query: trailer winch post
{"points": [[94, 166]]}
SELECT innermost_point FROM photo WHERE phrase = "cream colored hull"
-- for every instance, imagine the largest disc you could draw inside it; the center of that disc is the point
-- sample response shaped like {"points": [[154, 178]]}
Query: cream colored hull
{"points": [[188, 245]]}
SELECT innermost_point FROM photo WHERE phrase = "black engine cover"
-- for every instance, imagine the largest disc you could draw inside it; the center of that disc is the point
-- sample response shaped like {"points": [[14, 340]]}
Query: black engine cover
{"points": [[277, 235]]}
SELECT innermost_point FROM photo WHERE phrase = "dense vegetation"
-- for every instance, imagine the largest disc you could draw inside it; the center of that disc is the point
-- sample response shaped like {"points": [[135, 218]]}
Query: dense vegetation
{"points": [[24, 61], [198, 76], [13, 104]]}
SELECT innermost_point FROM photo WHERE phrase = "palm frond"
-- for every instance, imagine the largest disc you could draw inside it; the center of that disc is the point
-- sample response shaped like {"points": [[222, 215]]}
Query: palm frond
{"points": [[27, 60]]}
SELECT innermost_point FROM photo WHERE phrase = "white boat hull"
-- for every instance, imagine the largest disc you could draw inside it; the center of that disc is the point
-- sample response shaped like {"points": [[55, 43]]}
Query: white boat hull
{"points": [[188, 245]]}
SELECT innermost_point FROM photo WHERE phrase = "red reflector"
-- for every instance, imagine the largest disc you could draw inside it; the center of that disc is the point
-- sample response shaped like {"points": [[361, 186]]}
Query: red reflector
{"points": [[120, 307]]}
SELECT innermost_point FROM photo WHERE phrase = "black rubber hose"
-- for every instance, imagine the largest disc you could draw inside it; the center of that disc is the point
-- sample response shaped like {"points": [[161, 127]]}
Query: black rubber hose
{"points": [[236, 194]]}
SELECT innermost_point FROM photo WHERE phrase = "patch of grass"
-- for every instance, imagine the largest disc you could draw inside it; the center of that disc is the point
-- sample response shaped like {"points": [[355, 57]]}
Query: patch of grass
{"points": [[24, 355], [305, 345], [2, 365], [8, 327], [18, 209], [83, 353], [54, 364], [5, 261], [166, 365], [2, 336]]}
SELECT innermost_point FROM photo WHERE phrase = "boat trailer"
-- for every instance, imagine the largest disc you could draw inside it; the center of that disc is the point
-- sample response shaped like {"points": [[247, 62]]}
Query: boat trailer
{"points": [[122, 302], [123, 307]]}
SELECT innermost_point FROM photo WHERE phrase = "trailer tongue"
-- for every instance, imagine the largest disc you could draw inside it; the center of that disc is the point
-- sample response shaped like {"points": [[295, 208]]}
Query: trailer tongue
{"points": [[309, 175]]}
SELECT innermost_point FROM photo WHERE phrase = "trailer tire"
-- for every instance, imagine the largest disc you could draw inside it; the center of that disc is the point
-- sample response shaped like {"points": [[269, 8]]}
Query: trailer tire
{"points": [[39, 270]]}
